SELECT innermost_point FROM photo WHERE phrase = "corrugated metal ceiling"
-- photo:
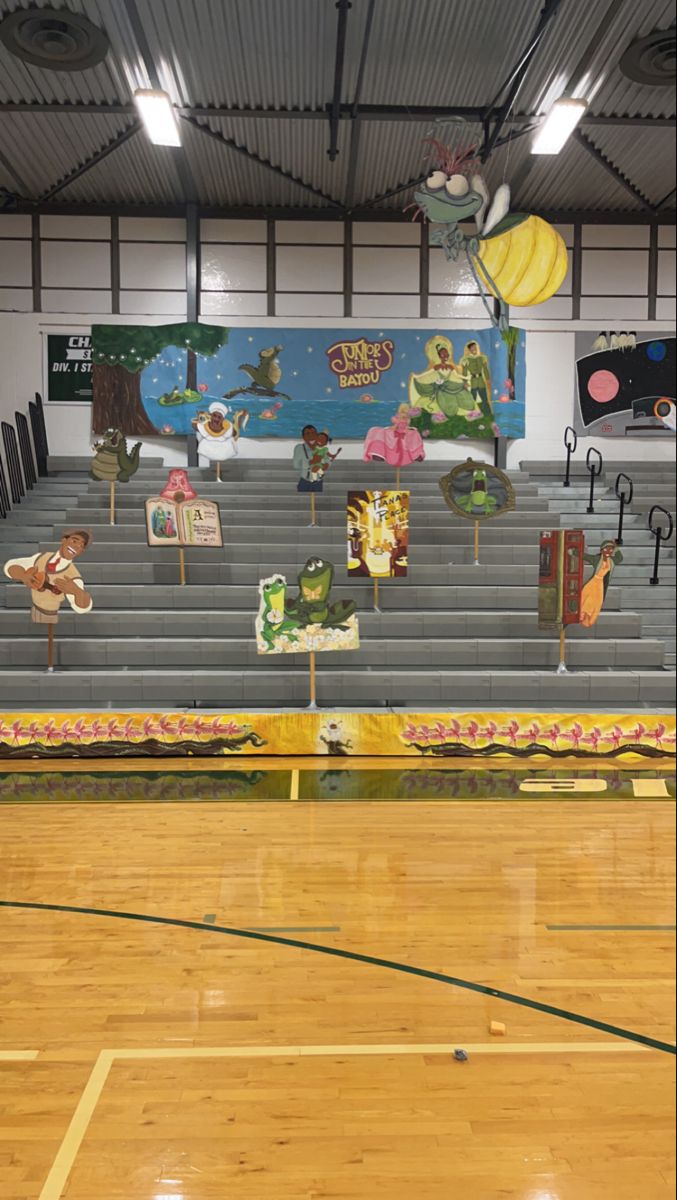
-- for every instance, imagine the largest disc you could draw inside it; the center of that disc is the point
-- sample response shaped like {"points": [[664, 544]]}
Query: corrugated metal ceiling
{"points": [[280, 54]]}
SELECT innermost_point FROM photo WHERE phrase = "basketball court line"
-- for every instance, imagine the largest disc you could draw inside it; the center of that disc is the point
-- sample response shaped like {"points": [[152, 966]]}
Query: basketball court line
{"points": [[353, 956], [612, 928], [18, 1055], [74, 1136]]}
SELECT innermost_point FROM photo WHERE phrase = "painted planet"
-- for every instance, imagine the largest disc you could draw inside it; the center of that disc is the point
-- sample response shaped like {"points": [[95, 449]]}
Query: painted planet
{"points": [[657, 351], [603, 386]]}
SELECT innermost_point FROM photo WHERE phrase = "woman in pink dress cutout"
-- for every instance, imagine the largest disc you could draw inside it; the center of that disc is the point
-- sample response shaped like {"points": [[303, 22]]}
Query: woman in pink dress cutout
{"points": [[399, 446]]}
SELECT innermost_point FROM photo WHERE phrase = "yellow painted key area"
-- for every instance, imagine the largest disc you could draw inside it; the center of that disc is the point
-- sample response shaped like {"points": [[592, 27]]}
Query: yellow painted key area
{"points": [[248, 981]]}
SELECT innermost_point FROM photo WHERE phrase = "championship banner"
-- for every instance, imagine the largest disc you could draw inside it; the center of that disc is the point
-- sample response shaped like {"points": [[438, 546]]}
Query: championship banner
{"points": [[435, 735], [69, 368], [163, 379]]}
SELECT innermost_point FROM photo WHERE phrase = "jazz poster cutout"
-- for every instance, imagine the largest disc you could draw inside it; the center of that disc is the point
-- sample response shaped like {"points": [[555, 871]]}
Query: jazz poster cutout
{"points": [[183, 523], [378, 534], [310, 622]]}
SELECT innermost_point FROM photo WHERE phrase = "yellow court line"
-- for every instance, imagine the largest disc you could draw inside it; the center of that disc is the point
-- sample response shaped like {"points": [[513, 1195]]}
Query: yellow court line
{"points": [[497, 1046], [73, 1138], [18, 1055], [74, 1135], [295, 785]]}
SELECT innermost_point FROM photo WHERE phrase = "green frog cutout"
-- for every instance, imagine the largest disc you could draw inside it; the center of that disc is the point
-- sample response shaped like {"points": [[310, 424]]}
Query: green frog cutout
{"points": [[274, 623], [308, 622], [477, 491], [312, 605], [479, 502]]}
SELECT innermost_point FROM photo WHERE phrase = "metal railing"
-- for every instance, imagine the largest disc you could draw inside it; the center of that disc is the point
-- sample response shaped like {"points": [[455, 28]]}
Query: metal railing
{"points": [[595, 463], [625, 497], [16, 483], [662, 533]]}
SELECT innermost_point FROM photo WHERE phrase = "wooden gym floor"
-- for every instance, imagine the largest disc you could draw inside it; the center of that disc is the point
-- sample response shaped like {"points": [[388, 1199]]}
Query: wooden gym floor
{"points": [[247, 982]]}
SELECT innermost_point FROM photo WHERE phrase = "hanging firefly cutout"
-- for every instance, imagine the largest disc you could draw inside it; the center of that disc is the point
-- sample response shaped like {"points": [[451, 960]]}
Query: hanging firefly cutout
{"points": [[518, 258]]}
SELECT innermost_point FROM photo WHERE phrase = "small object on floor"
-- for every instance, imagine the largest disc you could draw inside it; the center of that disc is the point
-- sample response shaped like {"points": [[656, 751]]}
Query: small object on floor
{"points": [[460, 1056], [497, 1029]]}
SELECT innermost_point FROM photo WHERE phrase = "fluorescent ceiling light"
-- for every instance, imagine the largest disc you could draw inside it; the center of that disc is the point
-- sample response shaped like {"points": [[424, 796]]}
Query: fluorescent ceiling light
{"points": [[158, 117], [558, 125]]}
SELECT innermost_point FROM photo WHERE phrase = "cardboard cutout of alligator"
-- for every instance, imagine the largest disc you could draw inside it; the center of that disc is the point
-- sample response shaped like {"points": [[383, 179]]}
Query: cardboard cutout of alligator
{"points": [[112, 462]]}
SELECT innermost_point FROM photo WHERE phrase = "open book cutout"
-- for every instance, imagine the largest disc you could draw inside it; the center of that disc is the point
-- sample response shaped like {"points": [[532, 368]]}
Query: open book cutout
{"points": [[183, 523]]}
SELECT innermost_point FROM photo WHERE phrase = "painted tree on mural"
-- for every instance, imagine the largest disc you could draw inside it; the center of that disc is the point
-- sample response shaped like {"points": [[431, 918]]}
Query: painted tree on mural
{"points": [[204, 341], [120, 355]]}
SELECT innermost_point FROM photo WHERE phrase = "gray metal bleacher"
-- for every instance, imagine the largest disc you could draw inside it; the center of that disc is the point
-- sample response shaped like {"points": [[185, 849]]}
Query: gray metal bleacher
{"points": [[450, 636]]}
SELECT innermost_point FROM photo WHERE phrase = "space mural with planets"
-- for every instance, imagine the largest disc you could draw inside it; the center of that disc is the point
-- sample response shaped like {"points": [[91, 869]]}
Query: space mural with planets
{"points": [[625, 384], [461, 383]]}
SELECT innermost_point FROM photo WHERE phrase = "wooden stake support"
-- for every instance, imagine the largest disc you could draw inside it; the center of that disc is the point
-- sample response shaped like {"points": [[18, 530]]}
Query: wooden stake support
{"points": [[376, 595], [313, 509], [562, 668], [477, 543], [398, 479], [218, 472], [112, 502], [182, 566], [50, 647], [313, 680]]}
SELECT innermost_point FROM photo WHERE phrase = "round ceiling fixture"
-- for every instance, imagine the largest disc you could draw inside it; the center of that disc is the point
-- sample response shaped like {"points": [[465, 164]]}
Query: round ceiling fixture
{"points": [[54, 38], [651, 59]]}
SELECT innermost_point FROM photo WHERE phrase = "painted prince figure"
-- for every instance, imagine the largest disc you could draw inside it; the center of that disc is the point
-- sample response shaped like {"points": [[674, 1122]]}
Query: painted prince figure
{"points": [[53, 578]]}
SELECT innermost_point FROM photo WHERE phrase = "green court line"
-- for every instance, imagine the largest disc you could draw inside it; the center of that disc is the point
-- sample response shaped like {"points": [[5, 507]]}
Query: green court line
{"points": [[481, 989], [294, 928], [612, 928]]}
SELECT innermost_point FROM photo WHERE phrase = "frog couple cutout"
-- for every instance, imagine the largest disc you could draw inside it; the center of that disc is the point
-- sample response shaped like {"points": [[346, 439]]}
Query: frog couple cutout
{"points": [[308, 623]]}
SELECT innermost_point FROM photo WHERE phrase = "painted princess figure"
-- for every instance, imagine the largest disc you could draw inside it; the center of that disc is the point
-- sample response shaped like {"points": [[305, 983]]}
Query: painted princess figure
{"points": [[597, 586], [399, 446]]}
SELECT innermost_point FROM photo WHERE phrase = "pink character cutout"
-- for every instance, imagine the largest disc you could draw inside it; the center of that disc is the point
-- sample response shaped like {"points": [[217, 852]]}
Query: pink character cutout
{"points": [[399, 446], [178, 486]]}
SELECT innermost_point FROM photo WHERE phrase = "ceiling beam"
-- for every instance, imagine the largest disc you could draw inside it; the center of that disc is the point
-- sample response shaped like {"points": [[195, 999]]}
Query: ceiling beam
{"points": [[343, 7], [514, 82], [356, 124], [368, 112], [14, 174], [361, 212], [611, 169], [231, 144], [92, 161], [404, 187], [662, 203]]}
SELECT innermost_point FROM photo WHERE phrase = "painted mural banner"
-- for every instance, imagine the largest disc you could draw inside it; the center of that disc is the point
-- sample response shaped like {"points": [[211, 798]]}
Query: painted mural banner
{"points": [[625, 385], [328, 734], [162, 379]]}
